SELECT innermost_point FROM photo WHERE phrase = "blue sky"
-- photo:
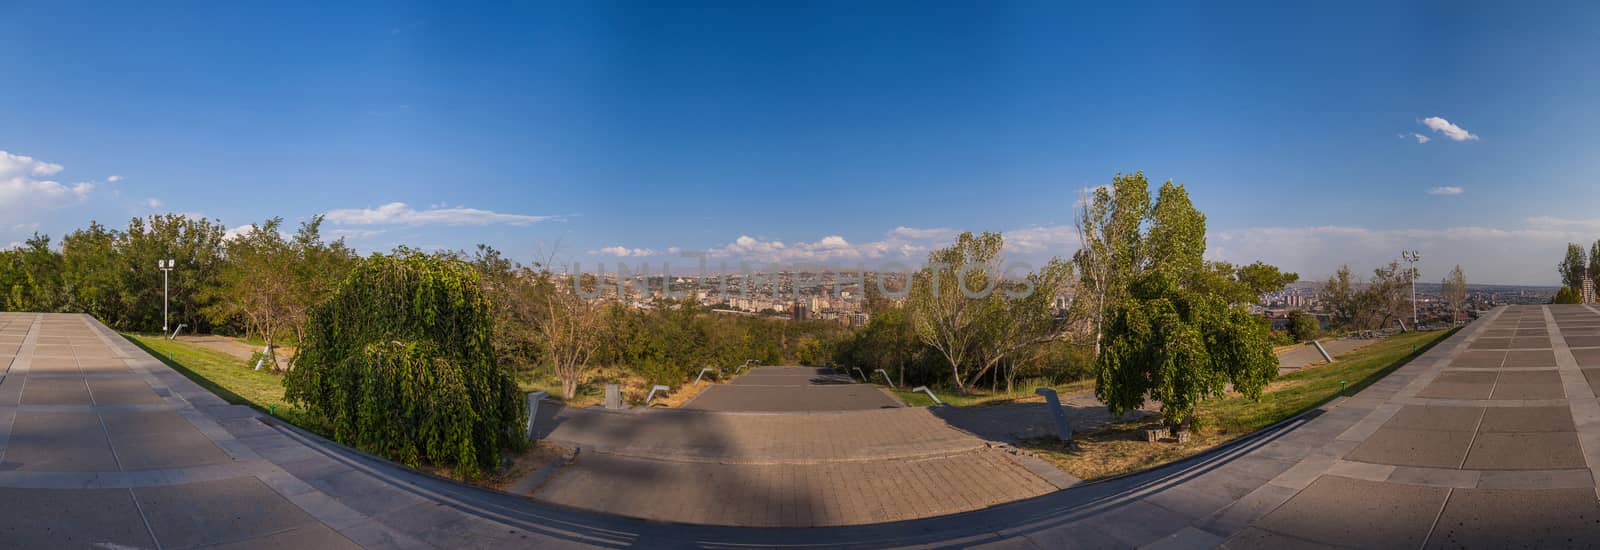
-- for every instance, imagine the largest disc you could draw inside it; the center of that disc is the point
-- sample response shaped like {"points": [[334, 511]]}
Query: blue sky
{"points": [[846, 132]]}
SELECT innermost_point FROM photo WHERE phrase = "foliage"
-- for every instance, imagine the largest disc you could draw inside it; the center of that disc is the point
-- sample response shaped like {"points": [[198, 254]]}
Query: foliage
{"points": [[1572, 267], [1374, 304], [1567, 295], [30, 277], [888, 342], [269, 284], [1173, 334], [399, 361], [963, 306], [1454, 290], [1108, 222], [1304, 326]]}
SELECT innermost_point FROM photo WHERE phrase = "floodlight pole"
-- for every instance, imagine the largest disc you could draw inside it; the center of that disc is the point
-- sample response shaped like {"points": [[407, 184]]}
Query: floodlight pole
{"points": [[166, 267], [1413, 256]]}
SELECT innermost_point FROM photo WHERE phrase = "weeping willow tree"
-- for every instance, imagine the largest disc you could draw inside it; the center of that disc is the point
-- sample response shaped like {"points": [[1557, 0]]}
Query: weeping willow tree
{"points": [[399, 362]]}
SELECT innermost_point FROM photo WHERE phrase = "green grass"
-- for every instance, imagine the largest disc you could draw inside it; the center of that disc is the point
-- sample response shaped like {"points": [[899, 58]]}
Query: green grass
{"points": [[1306, 388], [229, 377], [1119, 448], [979, 397]]}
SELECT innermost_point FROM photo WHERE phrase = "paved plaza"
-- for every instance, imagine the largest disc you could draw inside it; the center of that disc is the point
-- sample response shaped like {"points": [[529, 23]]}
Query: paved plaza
{"points": [[1488, 439], [784, 447], [792, 389]]}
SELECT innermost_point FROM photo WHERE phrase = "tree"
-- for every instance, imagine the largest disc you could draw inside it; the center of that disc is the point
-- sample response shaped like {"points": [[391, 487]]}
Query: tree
{"points": [[1261, 278], [1572, 267], [399, 362], [945, 318], [254, 286], [570, 326], [1011, 325], [1171, 335], [1355, 305], [270, 283], [1108, 220], [1594, 262], [1567, 296], [1303, 326], [31, 277], [1454, 290]]}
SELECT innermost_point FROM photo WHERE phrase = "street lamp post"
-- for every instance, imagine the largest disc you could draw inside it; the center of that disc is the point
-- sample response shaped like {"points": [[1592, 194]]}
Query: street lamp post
{"points": [[1412, 257], [166, 267]]}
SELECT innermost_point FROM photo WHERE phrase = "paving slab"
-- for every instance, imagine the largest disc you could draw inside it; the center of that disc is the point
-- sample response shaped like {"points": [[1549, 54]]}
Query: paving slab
{"points": [[75, 518], [215, 512], [1437, 449], [1530, 358], [1527, 419], [1525, 451], [1450, 419], [1501, 518], [1358, 513]]}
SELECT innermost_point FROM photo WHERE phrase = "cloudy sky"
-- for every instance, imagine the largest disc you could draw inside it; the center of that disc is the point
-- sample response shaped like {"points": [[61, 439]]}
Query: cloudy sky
{"points": [[817, 132]]}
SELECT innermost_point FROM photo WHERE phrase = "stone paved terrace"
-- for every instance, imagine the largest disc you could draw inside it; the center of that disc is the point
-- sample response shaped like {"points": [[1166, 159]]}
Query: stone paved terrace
{"points": [[1466, 445], [784, 447]]}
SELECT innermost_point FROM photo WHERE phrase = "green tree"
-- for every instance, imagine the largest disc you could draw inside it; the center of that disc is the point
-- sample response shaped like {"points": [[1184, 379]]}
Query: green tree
{"points": [[1261, 278], [1108, 222], [1454, 290], [1594, 261], [945, 317], [31, 277], [1171, 336], [253, 288], [399, 361], [1303, 326], [1572, 267], [1567, 296]]}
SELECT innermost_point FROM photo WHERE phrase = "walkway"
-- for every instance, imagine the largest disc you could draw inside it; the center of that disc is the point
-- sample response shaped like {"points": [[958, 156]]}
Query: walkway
{"points": [[840, 454], [1465, 445], [792, 389]]}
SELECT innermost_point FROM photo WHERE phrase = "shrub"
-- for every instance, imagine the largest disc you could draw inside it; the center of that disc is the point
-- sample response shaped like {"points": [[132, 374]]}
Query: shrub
{"points": [[1303, 326], [399, 362]]}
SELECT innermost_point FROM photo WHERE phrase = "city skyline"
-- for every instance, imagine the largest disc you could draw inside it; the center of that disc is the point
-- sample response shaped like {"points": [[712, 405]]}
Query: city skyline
{"points": [[841, 136]]}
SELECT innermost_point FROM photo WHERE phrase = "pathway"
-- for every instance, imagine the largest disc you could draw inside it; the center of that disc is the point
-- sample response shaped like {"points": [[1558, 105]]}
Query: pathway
{"points": [[840, 453], [1489, 438]]}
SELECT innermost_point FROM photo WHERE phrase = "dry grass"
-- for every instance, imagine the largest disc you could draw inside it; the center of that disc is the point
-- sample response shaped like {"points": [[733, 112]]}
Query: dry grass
{"points": [[635, 388], [1120, 448], [979, 397], [538, 455]]}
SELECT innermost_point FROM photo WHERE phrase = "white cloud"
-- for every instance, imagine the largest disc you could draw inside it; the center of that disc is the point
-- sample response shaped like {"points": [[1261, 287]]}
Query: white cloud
{"points": [[1058, 240], [238, 231], [12, 245], [902, 244], [153, 203], [1450, 131], [1446, 190], [1524, 255], [624, 252], [22, 185], [934, 233], [1551, 222], [400, 214], [113, 179], [25, 227], [1416, 136], [353, 234]]}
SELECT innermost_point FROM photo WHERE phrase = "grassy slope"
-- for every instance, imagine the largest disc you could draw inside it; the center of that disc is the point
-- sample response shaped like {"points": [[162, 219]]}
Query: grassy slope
{"points": [[227, 376], [1120, 448]]}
